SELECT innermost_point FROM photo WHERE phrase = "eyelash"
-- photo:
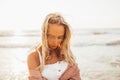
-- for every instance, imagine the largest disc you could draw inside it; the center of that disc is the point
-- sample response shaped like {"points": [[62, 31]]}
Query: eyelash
{"points": [[52, 37]]}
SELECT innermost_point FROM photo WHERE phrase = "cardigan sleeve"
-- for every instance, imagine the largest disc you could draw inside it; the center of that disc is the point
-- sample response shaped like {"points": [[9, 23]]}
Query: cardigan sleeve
{"points": [[76, 74], [35, 75], [72, 73]]}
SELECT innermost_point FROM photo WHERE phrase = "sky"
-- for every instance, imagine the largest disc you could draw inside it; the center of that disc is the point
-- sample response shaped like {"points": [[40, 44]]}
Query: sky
{"points": [[30, 14]]}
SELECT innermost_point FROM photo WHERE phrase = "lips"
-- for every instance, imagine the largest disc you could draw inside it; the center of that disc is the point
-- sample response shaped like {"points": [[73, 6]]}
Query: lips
{"points": [[53, 46]]}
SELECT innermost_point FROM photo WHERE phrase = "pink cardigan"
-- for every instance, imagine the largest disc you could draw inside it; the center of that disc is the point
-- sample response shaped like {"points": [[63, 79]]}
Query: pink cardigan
{"points": [[71, 73]]}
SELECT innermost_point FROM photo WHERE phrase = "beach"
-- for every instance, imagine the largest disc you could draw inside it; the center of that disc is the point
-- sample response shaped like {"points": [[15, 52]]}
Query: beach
{"points": [[97, 53], [99, 62]]}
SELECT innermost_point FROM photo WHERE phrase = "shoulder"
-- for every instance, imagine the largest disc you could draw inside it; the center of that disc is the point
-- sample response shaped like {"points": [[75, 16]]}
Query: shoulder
{"points": [[33, 60], [32, 55]]}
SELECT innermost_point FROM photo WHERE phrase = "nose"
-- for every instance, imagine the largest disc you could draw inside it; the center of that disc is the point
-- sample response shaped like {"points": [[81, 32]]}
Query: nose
{"points": [[56, 41]]}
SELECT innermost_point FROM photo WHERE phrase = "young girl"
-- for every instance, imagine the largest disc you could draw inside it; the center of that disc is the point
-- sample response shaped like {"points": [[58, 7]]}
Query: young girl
{"points": [[53, 59]]}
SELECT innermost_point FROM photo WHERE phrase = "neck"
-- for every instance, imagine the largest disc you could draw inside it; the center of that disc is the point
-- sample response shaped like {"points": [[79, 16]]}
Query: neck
{"points": [[55, 53]]}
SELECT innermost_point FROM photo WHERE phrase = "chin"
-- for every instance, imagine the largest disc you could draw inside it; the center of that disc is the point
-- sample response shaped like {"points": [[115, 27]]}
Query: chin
{"points": [[52, 48]]}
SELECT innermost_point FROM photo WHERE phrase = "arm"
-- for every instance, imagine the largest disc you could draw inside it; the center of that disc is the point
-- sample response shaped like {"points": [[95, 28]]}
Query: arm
{"points": [[72, 73], [33, 63], [76, 74]]}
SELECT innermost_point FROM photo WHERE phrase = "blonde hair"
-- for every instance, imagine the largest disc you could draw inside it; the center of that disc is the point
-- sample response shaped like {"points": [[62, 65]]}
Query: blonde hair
{"points": [[56, 18]]}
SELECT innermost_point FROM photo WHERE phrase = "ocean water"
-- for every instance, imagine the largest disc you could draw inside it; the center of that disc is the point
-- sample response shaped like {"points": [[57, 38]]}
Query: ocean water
{"points": [[97, 53]]}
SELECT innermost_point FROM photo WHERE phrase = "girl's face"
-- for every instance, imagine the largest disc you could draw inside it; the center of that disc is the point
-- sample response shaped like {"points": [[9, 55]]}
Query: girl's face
{"points": [[55, 35]]}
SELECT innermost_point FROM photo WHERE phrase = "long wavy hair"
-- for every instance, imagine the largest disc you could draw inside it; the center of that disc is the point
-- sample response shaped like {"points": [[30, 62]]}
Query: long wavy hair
{"points": [[65, 51]]}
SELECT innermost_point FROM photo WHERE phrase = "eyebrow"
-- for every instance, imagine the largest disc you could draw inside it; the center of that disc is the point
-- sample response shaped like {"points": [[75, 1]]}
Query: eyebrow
{"points": [[53, 35]]}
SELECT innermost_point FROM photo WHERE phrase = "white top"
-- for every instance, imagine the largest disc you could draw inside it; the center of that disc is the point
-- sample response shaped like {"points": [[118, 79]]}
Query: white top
{"points": [[53, 71]]}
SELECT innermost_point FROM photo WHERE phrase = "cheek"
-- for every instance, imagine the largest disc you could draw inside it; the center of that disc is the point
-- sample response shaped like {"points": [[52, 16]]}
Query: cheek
{"points": [[49, 43], [59, 42]]}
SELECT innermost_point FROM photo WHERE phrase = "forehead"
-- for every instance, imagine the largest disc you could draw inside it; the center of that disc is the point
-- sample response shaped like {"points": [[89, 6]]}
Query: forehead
{"points": [[56, 29]]}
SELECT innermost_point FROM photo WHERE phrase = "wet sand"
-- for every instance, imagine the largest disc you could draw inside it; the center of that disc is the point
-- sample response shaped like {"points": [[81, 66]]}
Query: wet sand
{"points": [[99, 62]]}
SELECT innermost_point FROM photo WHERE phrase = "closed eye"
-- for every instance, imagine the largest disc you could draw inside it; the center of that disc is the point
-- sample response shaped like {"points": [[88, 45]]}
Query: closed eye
{"points": [[61, 37], [53, 37]]}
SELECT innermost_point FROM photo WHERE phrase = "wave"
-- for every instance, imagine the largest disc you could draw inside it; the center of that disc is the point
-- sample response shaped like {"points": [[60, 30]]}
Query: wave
{"points": [[83, 37], [101, 31], [19, 33], [117, 42], [113, 43], [16, 46]]}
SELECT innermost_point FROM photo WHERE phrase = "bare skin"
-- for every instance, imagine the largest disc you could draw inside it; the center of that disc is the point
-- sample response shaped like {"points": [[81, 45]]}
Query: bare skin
{"points": [[55, 37]]}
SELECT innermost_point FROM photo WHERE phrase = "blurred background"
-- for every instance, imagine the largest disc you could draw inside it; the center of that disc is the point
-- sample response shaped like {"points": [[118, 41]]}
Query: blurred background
{"points": [[95, 41]]}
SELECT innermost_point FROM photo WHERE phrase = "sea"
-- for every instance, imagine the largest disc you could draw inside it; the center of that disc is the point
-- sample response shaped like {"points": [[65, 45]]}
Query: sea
{"points": [[97, 52]]}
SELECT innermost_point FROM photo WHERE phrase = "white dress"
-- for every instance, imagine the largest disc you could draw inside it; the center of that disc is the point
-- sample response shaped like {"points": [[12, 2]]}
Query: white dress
{"points": [[53, 71]]}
